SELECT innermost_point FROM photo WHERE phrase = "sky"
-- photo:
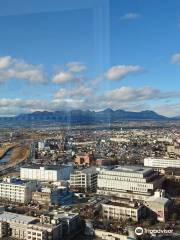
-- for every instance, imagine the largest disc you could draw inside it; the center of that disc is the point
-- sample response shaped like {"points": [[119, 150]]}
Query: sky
{"points": [[93, 54]]}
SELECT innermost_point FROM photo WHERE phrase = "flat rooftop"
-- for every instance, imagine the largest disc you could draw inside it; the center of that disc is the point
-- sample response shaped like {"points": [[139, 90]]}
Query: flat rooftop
{"points": [[14, 217], [123, 205], [131, 169], [47, 167], [86, 170]]}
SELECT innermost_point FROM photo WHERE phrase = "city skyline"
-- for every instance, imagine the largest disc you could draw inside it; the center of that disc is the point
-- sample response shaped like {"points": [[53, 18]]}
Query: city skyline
{"points": [[57, 59]]}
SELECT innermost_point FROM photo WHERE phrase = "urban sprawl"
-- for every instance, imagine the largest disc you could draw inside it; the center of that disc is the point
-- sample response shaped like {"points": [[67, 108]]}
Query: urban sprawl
{"points": [[88, 183]]}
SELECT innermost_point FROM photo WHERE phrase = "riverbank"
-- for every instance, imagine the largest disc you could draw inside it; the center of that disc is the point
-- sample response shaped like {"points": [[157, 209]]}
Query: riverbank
{"points": [[18, 156], [6, 148]]}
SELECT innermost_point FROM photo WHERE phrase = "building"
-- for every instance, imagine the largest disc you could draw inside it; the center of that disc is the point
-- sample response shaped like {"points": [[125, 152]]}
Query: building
{"points": [[54, 226], [105, 162], [131, 182], [173, 149], [119, 211], [71, 222], [15, 225], [102, 234], [4, 229], [52, 196], [159, 206], [162, 162], [84, 159], [84, 180], [15, 190], [46, 173], [43, 198], [44, 231]]}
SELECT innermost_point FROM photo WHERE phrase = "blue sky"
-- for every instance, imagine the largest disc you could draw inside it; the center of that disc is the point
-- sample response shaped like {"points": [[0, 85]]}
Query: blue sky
{"points": [[95, 54]]}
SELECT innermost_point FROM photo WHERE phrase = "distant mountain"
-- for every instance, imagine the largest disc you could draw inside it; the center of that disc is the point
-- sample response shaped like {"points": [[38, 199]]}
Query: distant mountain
{"points": [[80, 116], [176, 118]]}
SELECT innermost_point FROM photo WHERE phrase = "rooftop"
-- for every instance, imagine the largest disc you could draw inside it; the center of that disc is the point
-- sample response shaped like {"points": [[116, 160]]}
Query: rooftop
{"points": [[131, 169], [14, 217], [47, 167], [124, 205], [87, 170]]}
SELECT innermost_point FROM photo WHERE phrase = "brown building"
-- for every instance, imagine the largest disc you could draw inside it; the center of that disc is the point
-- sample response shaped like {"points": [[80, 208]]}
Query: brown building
{"points": [[84, 159], [105, 162], [43, 198]]}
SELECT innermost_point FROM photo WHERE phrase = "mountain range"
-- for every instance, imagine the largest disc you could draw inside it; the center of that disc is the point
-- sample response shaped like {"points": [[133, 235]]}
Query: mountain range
{"points": [[87, 116]]}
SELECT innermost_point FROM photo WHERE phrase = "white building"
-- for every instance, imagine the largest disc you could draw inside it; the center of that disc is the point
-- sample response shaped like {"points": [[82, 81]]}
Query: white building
{"points": [[15, 224], [123, 211], [84, 180], [44, 231], [162, 162], [130, 182], [17, 191], [41, 145], [46, 173], [102, 234], [159, 205], [25, 227]]}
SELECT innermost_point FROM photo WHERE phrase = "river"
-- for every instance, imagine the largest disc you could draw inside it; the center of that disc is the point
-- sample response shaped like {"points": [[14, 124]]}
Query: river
{"points": [[6, 157]]}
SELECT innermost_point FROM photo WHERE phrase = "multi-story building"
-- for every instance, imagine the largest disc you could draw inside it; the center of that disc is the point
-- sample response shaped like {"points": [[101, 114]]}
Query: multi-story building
{"points": [[84, 179], [159, 206], [161, 163], [44, 231], [15, 225], [46, 173], [4, 229], [15, 190], [129, 182], [116, 210], [173, 149], [52, 196], [52, 226]]}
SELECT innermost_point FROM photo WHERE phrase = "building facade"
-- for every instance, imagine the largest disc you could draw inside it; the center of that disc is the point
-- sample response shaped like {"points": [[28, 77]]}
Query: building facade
{"points": [[84, 180], [46, 173], [162, 162], [123, 211], [17, 190], [131, 182]]}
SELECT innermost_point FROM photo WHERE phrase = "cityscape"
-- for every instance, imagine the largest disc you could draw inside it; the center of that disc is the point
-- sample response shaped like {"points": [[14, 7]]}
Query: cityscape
{"points": [[90, 120]]}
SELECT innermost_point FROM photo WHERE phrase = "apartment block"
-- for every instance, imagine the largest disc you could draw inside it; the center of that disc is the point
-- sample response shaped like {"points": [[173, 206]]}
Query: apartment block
{"points": [[84, 179]]}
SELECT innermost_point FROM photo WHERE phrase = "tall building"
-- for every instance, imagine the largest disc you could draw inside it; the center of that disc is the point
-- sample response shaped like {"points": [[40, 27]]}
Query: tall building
{"points": [[15, 190], [84, 180], [46, 173], [162, 162], [131, 182]]}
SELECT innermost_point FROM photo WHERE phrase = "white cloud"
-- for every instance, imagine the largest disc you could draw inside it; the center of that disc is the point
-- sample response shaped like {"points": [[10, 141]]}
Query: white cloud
{"points": [[169, 110], [70, 74], [130, 16], [121, 71], [63, 77], [130, 94], [79, 92], [5, 61], [127, 98], [76, 67], [17, 68], [175, 59]]}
